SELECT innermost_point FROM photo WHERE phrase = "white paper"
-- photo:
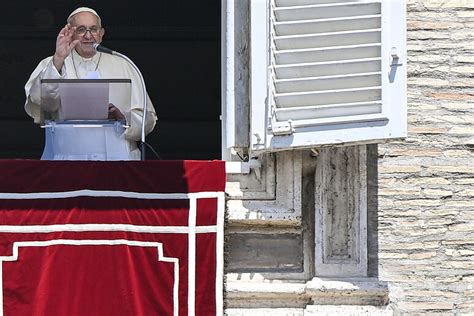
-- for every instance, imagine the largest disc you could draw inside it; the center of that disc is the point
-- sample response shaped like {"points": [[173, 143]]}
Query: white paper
{"points": [[84, 101]]}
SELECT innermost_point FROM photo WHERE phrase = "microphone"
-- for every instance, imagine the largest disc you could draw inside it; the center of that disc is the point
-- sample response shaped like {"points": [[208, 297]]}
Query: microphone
{"points": [[103, 49]]}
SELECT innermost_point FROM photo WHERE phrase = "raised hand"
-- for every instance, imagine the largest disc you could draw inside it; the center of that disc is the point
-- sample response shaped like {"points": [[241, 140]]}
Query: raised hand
{"points": [[64, 45]]}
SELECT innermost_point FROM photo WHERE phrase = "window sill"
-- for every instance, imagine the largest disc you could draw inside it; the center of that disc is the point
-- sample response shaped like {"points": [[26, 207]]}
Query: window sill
{"points": [[327, 291]]}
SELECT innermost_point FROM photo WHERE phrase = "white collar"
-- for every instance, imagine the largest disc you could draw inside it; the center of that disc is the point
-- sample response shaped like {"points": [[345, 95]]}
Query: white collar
{"points": [[79, 59], [85, 67]]}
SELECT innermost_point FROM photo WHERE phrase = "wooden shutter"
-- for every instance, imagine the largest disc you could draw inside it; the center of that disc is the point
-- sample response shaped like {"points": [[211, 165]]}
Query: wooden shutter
{"points": [[326, 72]]}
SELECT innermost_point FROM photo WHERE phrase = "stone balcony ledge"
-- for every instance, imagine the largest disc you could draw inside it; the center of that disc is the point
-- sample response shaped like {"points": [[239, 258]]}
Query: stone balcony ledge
{"points": [[291, 294]]}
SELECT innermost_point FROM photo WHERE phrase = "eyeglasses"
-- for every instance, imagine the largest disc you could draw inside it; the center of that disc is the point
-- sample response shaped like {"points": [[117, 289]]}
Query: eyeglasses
{"points": [[82, 30]]}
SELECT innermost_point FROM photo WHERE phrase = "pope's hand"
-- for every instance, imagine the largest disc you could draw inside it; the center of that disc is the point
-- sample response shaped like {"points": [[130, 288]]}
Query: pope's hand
{"points": [[64, 45], [114, 113]]}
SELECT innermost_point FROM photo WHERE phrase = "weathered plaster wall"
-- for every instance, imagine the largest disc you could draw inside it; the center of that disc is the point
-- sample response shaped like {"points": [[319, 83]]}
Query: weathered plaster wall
{"points": [[426, 184]]}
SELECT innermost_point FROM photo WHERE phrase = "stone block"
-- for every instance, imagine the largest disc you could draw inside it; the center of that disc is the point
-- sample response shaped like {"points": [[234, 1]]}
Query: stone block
{"points": [[427, 35], [427, 129], [457, 106], [462, 83], [466, 181], [460, 242], [462, 130], [410, 246], [398, 169], [425, 306], [348, 310], [467, 215], [265, 253], [451, 96], [466, 193], [462, 265], [436, 193], [392, 255], [457, 153], [399, 191], [431, 293], [431, 82], [459, 204], [462, 36], [462, 227], [428, 58], [459, 253], [451, 169], [455, 119], [464, 59], [417, 182], [464, 14], [428, 25], [448, 4], [421, 203], [422, 255]]}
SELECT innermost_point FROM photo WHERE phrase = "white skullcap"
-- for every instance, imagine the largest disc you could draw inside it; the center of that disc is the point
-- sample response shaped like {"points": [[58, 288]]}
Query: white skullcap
{"points": [[82, 9]]}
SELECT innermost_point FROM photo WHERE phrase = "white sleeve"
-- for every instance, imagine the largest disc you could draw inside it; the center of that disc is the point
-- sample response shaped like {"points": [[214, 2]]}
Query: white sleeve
{"points": [[135, 118], [135, 121], [33, 105]]}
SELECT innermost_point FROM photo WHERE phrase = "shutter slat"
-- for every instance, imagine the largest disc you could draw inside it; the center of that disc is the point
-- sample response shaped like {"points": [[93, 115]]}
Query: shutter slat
{"points": [[339, 10], [328, 83], [327, 25], [327, 54], [328, 68], [325, 111], [292, 3], [339, 119], [327, 39], [328, 97]]}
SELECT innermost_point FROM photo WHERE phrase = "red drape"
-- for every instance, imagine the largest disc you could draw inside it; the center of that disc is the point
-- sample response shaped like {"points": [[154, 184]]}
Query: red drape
{"points": [[111, 238]]}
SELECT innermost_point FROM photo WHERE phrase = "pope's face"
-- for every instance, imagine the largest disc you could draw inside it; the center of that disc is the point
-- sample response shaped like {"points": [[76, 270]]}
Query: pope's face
{"points": [[88, 31]]}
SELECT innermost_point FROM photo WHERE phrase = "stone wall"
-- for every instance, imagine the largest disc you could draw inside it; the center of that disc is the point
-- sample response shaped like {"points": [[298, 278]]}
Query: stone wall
{"points": [[426, 183]]}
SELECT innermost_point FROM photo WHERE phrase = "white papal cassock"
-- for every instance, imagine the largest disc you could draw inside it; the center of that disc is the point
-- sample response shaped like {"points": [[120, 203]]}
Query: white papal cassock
{"points": [[100, 66]]}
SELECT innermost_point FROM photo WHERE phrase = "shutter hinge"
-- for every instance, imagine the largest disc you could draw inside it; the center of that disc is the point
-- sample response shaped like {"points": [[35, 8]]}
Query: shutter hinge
{"points": [[282, 128]]}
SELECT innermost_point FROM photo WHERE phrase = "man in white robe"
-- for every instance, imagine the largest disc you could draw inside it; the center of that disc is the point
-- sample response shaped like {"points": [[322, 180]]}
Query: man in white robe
{"points": [[76, 58]]}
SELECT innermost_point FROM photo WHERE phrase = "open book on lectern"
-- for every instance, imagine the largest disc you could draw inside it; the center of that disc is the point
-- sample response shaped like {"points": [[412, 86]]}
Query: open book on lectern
{"points": [[86, 99]]}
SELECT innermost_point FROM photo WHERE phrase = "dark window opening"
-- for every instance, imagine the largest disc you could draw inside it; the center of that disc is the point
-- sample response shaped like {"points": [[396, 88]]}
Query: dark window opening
{"points": [[176, 45]]}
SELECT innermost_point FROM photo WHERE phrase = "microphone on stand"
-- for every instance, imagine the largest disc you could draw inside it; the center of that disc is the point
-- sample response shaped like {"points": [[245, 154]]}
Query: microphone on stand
{"points": [[103, 49]]}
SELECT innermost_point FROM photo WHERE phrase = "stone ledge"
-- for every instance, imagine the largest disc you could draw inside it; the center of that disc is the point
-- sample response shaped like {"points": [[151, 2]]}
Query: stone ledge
{"points": [[264, 312], [360, 291], [313, 310], [284, 294], [322, 310]]}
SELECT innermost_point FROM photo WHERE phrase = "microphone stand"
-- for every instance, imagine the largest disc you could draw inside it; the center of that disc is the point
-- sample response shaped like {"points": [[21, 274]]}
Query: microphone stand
{"points": [[106, 50]]}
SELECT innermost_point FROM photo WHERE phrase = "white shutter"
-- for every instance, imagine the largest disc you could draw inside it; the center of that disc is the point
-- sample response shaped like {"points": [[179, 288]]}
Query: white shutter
{"points": [[327, 72]]}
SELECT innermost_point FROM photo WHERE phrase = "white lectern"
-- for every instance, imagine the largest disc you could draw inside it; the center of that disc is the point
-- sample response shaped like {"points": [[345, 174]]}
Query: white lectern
{"points": [[78, 128]]}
